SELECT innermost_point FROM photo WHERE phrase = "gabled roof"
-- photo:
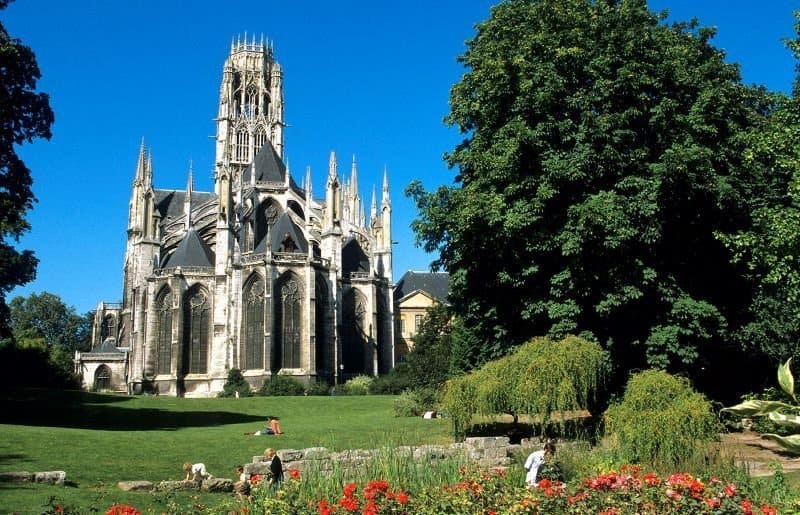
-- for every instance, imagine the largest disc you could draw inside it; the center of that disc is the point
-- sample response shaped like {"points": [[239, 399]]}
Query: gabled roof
{"points": [[277, 234], [435, 284], [269, 167], [191, 251]]}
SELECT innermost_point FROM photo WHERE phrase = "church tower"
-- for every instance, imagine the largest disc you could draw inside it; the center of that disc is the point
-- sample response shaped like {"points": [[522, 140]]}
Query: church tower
{"points": [[257, 275]]}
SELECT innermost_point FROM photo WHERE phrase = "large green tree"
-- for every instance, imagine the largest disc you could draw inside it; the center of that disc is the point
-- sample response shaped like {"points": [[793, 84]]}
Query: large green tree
{"points": [[602, 157], [770, 248], [24, 116], [47, 319]]}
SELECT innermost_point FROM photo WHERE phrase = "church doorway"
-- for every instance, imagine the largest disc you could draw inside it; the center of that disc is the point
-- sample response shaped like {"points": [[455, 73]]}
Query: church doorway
{"points": [[102, 378]]}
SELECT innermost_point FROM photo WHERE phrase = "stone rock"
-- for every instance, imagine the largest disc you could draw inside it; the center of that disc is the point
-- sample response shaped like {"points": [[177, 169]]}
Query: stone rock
{"points": [[172, 486], [316, 453], [217, 484], [16, 477], [53, 477], [135, 486], [257, 468]]}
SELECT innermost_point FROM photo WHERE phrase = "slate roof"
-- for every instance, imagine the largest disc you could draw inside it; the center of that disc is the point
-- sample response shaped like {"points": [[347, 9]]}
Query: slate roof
{"points": [[170, 202], [435, 284], [105, 348], [277, 234], [191, 251], [269, 167]]}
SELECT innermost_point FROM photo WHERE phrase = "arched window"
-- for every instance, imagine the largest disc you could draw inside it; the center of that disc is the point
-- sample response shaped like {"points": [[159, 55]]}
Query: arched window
{"points": [[260, 139], [102, 378], [109, 328], [253, 324], [163, 329], [251, 102], [196, 331], [289, 328], [240, 151]]}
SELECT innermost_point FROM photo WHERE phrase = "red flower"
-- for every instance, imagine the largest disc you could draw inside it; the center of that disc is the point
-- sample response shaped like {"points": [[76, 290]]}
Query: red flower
{"points": [[255, 479], [349, 489], [651, 479], [747, 507], [123, 510], [324, 508], [768, 510], [713, 502], [59, 509], [294, 473], [730, 489], [371, 508], [402, 497], [349, 504]]}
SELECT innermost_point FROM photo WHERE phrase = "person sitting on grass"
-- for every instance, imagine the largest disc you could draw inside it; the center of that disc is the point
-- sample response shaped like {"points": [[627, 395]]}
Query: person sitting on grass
{"points": [[242, 487], [273, 428], [195, 470]]}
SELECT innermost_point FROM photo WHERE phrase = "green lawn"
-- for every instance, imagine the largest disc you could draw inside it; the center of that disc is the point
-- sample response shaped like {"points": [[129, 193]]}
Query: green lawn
{"points": [[102, 439]]}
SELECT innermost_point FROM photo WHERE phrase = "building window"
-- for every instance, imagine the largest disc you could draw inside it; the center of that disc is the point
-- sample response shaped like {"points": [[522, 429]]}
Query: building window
{"points": [[109, 328], [290, 323], [260, 139], [240, 151], [196, 329], [401, 325], [164, 333], [253, 325], [418, 322]]}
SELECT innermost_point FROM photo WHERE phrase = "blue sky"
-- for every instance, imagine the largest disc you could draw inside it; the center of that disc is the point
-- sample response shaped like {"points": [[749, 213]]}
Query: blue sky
{"points": [[363, 78]]}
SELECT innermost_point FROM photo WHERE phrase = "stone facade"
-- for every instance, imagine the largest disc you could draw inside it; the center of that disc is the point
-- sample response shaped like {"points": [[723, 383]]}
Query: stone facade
{"points": [[257, 275]]}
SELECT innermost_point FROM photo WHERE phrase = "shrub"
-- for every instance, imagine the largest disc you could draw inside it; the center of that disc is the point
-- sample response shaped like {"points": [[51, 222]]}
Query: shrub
{"points": [[282, 385], [358, 385], [412, 403], [235, 383], [320, 388], [661, 421], [541, 379], [393, 383]]}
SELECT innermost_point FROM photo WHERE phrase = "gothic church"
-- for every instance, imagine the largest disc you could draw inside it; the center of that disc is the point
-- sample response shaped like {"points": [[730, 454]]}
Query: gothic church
{"points": [[258, 275]]}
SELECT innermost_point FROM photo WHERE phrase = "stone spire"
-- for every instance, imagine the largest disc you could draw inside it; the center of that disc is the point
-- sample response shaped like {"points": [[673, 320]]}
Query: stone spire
{"points": [[187, 201]]}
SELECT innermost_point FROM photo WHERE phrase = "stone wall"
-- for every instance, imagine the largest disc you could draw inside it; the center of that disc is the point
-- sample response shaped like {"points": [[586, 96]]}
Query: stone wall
{"points": [[486, 452]]}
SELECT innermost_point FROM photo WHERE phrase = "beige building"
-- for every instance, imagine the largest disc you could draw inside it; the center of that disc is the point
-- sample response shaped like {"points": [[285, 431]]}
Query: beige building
{"points": [[414, 294], [258, 274]]}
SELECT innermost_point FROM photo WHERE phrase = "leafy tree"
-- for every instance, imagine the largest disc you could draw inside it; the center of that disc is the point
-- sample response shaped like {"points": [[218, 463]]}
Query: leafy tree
{"points": [[660, 421], [24, 116], [235, 382], [541, 378], [770, 248], [602, 157], [44, 317], [428, 362]]}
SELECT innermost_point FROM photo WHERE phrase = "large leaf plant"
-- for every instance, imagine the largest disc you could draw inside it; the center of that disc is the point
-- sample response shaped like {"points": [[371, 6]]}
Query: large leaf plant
{"points": [[774, 410]]}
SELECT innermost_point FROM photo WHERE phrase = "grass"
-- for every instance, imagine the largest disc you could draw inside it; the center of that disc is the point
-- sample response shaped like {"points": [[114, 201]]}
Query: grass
{"points": [[101, 439]]}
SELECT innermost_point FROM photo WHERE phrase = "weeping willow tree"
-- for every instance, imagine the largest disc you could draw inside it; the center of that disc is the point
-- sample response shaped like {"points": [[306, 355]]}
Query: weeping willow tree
{"points": [[542, 379]]}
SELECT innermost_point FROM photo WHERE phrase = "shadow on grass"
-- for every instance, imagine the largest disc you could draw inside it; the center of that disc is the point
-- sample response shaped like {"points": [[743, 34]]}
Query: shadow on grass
{"points": [[83, 410]]}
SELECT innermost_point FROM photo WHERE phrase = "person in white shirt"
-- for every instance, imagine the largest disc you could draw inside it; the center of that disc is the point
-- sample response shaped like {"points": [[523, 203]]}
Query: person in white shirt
{"points": [[195, 470], [535, 461]]}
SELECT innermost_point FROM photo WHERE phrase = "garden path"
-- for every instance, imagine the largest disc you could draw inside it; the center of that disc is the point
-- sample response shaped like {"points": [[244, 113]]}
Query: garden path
{"points": [[748, 447]]}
